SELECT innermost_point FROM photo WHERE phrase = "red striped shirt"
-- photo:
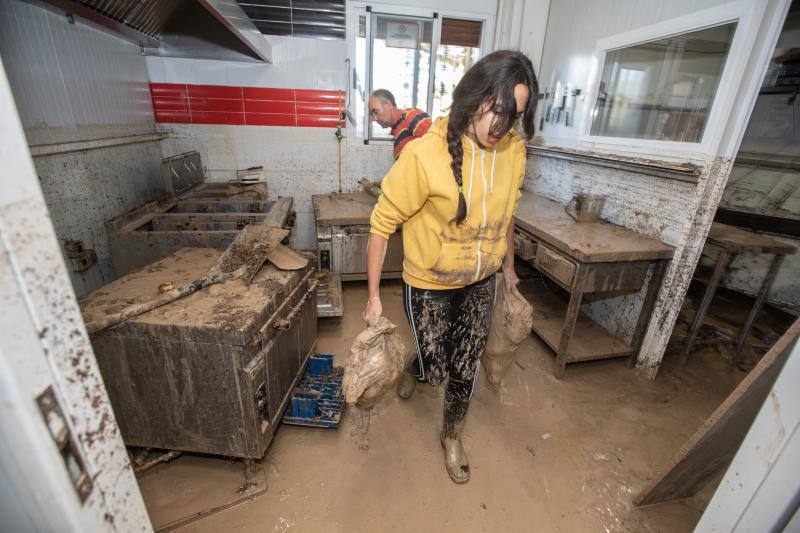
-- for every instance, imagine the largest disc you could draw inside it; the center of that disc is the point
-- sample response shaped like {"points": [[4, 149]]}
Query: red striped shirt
{"points": [[412, 123]]}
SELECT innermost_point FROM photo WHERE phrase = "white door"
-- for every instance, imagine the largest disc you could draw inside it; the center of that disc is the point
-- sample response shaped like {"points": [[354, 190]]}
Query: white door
{"points": [[63, 465]]}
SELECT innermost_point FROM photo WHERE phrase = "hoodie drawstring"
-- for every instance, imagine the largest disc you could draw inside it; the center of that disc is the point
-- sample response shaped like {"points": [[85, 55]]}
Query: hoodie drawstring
{"points": [[471, 174], [491, 178]]}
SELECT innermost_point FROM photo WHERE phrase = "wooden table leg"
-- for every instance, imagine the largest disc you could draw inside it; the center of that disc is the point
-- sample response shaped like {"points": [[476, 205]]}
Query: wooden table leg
{"points": [[659, 269], [766, 285], [711, 289], [573, 310]]}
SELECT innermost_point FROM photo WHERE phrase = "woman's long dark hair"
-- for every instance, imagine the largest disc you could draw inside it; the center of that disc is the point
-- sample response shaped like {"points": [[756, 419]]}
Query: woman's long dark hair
{"points": [[492, 79]]}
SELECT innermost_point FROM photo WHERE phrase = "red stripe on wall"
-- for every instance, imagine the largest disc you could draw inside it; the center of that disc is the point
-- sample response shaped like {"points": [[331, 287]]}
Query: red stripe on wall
{"points": [[260, 106], [267, 93], [215, 91], [169, 89], [214, 104], [306, 108], [266, 106], [310, 95], [167, 103], [270, 119]]}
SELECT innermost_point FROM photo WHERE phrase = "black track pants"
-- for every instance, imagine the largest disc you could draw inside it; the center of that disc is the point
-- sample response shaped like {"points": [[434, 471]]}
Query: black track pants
{"points": [[450, 328]]}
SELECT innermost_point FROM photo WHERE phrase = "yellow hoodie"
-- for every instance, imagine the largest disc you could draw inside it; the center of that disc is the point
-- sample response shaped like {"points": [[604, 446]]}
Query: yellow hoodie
{"points": [[421, 193]]}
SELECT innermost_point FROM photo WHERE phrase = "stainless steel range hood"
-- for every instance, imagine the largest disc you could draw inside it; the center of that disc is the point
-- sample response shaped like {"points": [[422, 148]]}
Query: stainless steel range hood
{"points": [[203, 29]]}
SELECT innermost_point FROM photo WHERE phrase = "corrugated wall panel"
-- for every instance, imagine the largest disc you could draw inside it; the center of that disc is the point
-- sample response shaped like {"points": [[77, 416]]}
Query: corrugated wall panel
{"points": [[73, 82], [88, 78]]}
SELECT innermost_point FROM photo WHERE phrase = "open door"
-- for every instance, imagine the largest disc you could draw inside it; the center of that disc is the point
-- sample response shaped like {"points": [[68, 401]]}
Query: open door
{"points": [[64, 466]]}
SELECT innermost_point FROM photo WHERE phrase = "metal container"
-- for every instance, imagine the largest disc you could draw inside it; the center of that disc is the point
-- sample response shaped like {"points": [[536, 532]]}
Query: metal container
{"points": [[212, 372], [153, 230], [585, 207]]}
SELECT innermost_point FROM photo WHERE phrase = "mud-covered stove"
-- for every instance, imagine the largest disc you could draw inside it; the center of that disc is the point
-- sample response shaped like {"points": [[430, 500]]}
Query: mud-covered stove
{"points": [[212, 372], [342, 222]]}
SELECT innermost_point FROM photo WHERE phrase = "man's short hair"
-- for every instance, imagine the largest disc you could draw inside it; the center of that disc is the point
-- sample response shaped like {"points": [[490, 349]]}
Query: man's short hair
{"points": [[384, 95]]}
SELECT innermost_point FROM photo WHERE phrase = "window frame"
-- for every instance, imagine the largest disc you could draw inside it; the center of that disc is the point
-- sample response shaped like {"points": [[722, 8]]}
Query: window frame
{"points": [[356, 9], [742, 12]]}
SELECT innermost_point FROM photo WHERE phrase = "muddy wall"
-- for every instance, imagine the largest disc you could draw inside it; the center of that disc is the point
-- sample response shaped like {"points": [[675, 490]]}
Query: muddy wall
{"points": [[72, 82]]}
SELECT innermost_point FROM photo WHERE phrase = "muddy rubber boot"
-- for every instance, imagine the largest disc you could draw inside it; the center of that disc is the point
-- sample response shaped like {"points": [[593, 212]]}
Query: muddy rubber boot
{"points": [[406, 385], [455, 458]]}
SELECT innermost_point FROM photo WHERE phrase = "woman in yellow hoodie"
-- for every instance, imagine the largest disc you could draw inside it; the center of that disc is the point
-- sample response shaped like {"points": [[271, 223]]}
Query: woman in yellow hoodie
{"points": [[455, 191]]}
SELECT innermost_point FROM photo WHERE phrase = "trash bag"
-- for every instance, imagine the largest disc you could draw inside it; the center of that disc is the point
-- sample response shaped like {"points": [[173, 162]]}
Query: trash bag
{"points": [[377, 358], [512, 320]]}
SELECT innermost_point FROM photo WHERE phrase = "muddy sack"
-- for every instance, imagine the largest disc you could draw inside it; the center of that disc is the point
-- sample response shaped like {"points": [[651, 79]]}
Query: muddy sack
{"points": [[377, 358], [512, 320]]}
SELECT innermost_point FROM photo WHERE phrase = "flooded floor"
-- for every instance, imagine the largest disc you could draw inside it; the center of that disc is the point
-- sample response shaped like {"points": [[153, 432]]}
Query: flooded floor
{"points": [[546, 454]]}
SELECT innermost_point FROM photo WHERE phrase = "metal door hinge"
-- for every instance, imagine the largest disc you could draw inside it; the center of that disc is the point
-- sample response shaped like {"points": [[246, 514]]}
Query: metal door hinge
{"points": [[65, 442]]}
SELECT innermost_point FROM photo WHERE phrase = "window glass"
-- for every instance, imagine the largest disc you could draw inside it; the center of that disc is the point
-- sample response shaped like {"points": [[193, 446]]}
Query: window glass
{"points": [[401, 58], [458, 50], [662, 89]]}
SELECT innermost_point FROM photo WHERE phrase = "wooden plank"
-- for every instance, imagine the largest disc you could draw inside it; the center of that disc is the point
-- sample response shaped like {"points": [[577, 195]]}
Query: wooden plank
{"points": [[738, 240], [585, 242], [588, 342], [716, 442], [279, 212], [343, 209]]}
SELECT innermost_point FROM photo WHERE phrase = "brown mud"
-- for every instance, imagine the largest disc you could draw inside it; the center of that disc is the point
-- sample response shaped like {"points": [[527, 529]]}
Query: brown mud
{"points": [[545, 454]]}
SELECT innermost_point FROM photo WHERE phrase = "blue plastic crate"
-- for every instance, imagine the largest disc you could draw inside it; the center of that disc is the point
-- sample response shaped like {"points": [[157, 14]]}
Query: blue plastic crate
{"points": [[320, 364], [318, 399]]}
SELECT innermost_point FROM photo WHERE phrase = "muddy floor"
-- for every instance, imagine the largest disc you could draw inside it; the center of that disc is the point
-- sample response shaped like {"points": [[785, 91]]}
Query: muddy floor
{"points": [[546, 454]]}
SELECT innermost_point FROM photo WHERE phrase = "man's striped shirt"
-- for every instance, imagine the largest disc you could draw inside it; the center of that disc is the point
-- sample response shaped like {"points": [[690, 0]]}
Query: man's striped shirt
{"points": [[412, 123]]}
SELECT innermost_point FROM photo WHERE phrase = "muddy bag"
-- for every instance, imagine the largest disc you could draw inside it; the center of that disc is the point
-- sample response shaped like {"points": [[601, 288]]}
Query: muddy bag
{"points": [[512, 320], [376, 360]]}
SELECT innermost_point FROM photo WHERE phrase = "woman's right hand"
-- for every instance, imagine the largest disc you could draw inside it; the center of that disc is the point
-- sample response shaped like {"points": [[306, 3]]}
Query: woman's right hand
{"points": [[373, 310]]}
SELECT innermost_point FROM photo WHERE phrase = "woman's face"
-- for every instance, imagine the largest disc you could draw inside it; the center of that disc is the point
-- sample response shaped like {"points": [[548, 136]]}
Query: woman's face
{"points": [[481, 125]]}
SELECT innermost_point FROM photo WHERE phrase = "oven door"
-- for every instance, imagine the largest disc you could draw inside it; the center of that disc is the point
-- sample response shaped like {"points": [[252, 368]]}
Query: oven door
{"points": [[352, 247]]}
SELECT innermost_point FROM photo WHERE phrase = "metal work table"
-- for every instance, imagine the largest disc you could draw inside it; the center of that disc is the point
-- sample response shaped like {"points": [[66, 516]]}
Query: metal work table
{"points": [[733, 241], [342, 222], [595, 258]]}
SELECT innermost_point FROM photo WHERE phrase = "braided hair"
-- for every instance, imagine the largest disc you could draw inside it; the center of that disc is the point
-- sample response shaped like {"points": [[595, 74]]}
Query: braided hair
{"points": [[492, 80]]}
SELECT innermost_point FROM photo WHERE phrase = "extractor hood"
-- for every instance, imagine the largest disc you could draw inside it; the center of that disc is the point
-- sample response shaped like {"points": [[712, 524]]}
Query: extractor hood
{"points": [[203, 29]]}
